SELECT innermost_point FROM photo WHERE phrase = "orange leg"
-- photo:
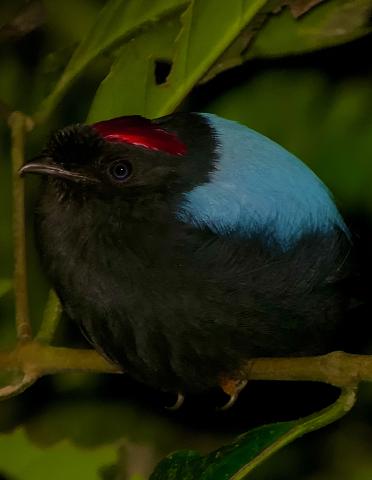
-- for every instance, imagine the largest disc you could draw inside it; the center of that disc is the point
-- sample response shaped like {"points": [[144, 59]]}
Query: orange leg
{"points": [[232, 387]]}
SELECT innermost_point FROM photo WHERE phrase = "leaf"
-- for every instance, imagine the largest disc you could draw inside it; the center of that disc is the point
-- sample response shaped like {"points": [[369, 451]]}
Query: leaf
{"points": [[22, 460], [225, 462], [70, 21], [5, 286], [233, 55], [118, 20], [237, 460], [127, 88], [208, 28], [332, 23]]}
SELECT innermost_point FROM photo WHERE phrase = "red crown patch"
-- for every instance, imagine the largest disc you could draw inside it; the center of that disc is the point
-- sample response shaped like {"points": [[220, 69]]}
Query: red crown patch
{"points": [[139, 131]]}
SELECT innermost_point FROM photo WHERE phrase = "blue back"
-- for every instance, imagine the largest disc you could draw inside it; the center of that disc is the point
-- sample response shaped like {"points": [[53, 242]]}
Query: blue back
{"points": [[258, 185]]}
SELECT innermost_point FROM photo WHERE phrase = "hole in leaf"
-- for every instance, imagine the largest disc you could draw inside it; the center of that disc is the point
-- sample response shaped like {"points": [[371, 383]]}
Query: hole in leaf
{"points": [[162, 70]]}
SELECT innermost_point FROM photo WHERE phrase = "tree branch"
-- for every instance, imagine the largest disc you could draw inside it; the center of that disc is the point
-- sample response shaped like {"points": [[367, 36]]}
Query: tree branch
{"points": [[38, 359], [19, 125], [35, 359], [337, 368]]}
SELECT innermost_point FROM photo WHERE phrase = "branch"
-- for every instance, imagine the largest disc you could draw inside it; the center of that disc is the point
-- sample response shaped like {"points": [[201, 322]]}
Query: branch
{"points": [[19, 125], [12, 390], [337, 368], [35, 359], [38, 359]]}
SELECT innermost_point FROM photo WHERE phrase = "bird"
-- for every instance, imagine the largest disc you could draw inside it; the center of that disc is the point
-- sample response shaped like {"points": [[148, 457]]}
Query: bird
{"points": [[186, 245]]}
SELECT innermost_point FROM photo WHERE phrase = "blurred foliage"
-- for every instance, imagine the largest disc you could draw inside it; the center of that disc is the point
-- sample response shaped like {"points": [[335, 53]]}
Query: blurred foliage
{"points": [[145, 57], [22, 460], [5, 286]]}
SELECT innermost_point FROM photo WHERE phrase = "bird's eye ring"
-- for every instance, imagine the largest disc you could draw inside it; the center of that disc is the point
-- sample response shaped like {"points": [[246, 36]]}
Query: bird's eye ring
{"points": [[120, 171]]}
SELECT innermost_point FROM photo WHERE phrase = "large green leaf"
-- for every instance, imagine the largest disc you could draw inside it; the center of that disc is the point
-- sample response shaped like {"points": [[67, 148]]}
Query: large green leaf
{"points": [[69, 21], [130, 84], [237, 460], [22, 460], [215, 36], [332, 23], [225, 462], [208, 28], [117, 22]]}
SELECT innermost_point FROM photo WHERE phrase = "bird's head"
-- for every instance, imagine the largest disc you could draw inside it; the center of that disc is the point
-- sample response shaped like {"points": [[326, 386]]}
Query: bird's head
{"points": [[125, 155]]}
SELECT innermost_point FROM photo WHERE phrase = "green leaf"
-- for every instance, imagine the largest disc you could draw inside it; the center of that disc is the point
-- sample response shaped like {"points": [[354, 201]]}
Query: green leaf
{"points": [[227, 461], [179, 465], [22, 460], [127, 88], [70, 21], [117, 22], [237, 460], [5, 286], [332, 23], [208, 28]]}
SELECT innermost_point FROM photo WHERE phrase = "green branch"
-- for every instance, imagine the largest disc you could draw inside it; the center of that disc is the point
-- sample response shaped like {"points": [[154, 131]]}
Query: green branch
{"points": [[336, 368], [340, 369], [19, 125], [35, 360]]}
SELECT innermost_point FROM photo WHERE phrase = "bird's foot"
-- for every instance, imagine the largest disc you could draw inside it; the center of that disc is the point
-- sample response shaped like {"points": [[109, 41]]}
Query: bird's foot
{"points": [[179, 402], [232, 388]]}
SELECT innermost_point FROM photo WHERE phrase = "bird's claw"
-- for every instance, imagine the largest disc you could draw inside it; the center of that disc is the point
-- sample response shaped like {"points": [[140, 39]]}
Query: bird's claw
{"points": [[229, 403], [179, 402], [232, 388]]}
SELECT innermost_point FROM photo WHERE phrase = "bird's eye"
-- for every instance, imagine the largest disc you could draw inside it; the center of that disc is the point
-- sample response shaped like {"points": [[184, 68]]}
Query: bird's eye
{"points": [[120, 171]]}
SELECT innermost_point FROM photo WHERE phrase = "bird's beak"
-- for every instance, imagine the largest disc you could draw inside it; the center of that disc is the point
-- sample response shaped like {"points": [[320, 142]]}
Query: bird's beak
{"points": [[47, 167]]}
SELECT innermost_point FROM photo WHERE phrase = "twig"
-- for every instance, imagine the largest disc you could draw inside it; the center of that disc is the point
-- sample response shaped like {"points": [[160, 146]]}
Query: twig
{"points": [[15, 389], [52, 314], [19, 125]]}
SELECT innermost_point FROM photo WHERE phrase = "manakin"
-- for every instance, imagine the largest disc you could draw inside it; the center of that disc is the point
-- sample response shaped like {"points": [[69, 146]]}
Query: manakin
{"points": [[186, 245]]}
